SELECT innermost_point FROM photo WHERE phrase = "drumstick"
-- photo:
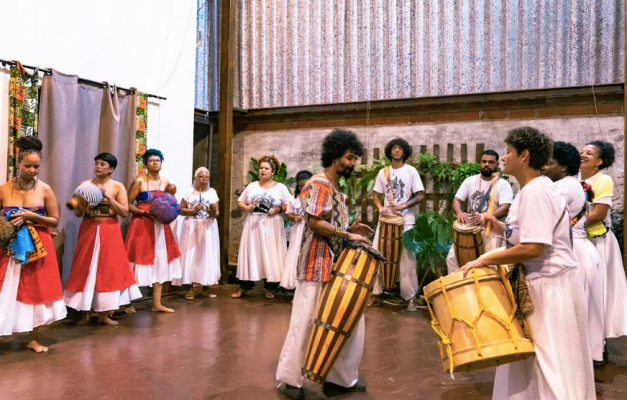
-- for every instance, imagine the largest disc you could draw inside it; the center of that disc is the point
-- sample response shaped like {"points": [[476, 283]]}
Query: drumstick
{"points": [[488, 226]]}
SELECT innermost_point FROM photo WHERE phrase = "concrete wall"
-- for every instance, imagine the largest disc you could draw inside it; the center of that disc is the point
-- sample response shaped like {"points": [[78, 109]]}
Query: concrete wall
{"points": [[300, 148]]}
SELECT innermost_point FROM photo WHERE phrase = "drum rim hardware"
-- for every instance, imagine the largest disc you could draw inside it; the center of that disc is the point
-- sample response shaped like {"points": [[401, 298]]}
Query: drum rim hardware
{"points": [[353, 279]]}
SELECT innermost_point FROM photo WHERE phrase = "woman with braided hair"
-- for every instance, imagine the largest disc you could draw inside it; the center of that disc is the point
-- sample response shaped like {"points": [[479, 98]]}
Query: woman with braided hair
{"points": [[262, 248], [30, 285]]}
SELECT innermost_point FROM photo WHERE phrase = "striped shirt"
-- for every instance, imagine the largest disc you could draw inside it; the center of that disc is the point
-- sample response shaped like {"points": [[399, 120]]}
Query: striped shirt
{"points": [[320, 199]]}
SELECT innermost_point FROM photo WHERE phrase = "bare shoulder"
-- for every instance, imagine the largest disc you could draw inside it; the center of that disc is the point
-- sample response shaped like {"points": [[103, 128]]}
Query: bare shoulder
{"points": [[85, 181], [44, 187]]}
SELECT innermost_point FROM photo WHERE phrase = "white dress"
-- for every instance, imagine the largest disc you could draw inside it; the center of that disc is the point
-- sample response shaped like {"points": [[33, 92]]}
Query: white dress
{"points": [[262, 248], [562, 365], [613, 274], [288, 280], [590, 264], [199, 241]]}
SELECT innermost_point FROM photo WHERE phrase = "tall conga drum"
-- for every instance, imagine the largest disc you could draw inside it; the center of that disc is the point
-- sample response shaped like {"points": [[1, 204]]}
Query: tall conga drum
{"points": [[475, 319], [341, 305], [391, 247], [468, 242]]}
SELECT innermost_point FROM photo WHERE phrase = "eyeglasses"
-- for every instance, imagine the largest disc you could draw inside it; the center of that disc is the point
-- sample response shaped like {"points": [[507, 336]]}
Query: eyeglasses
{"points": [[155, 161]]}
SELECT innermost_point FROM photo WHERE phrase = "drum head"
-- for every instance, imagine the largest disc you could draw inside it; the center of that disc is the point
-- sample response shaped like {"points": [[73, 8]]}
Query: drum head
{"points": [[461, 227], [359, 245], [392, 219]]}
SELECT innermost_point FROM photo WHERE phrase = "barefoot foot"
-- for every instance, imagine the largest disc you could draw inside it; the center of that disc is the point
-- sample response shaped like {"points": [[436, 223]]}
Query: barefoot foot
{"points": [[84, 319], [36, 347], [129, 309], [108, 321], [161, 308]]}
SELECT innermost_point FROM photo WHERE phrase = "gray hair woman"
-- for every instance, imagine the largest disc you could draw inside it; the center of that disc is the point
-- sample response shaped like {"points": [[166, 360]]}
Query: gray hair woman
{"points": [[199, 239]]}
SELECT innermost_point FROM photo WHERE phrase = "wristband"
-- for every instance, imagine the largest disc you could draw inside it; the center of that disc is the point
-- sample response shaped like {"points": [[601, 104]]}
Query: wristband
{"points": [[338, 233]]}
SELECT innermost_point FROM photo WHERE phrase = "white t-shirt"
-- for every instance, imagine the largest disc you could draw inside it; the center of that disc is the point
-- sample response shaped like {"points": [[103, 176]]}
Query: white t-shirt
{"points": [[575, 197], [275, 196], [194, 197], [534, 217], [474, 190], [404, 182], [294, 206]]}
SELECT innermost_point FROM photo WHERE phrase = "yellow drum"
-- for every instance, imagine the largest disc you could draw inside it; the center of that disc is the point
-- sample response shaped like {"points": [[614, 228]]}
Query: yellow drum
{"points": [[341, 305], [468, 242], [391, 247], [475, 319]]}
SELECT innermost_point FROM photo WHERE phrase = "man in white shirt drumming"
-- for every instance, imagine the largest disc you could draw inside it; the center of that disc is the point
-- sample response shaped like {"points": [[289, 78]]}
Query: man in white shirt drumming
{"points": [[402, 189], [476, 191]]}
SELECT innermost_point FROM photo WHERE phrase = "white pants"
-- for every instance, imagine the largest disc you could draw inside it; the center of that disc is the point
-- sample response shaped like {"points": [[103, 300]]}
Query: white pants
{"points": [[491, 243], [561, 368], [407, 271], [345, 370]]}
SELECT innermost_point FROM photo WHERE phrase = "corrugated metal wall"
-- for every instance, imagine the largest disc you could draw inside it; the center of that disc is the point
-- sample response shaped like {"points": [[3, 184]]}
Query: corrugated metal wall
{"points": [[297, 52]]}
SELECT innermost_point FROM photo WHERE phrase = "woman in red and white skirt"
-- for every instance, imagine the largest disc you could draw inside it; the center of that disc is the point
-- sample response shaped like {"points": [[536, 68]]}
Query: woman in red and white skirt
{"points": [[102, 279], [30, 291]]}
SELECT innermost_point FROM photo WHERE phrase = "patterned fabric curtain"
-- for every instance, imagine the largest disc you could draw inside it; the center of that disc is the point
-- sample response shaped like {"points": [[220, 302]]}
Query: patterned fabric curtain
{"points": [[23, 110], [140, 131]]}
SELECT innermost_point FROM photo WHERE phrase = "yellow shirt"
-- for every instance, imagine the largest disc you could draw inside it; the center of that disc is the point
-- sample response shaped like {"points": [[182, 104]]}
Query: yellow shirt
{"points": [[603, 189]]}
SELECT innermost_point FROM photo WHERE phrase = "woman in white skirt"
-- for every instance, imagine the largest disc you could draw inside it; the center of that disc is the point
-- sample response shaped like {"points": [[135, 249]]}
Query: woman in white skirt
{"points": [[296, 214], [199, 239], [262, 248], [537, 233], [597, 156], [30, 287], [563, 168], [101, 279]]}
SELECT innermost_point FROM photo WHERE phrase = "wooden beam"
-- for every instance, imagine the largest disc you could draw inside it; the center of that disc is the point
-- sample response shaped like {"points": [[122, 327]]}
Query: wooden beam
{"points": [[225, 129]]}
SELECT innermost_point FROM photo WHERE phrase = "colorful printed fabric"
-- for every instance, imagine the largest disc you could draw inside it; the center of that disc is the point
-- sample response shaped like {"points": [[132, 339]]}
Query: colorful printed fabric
{"points": [[141, 126], [23, 110], [320, 199]]}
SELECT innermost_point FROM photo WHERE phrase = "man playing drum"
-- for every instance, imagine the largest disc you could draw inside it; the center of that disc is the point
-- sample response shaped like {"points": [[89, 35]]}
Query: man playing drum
{"points": [[326, 217], [476, 191], [402, 189]]}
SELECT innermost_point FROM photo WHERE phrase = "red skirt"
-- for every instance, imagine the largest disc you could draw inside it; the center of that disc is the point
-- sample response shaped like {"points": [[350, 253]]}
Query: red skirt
{"points": [[40, 282], [114, 271], [140, 241]]}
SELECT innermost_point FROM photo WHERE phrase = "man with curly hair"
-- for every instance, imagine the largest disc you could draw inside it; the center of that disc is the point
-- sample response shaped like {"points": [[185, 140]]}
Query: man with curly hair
{"points": [[401, 188], [476, 191], [326, 228]]}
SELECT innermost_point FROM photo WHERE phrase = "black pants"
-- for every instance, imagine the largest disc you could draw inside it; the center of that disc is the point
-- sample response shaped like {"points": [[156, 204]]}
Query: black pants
{"points": [[249, 285]]}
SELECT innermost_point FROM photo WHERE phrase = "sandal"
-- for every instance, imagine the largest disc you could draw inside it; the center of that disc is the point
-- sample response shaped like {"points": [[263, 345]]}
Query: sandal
{"points": [[189, 296], [269, 295], [240, 293]]}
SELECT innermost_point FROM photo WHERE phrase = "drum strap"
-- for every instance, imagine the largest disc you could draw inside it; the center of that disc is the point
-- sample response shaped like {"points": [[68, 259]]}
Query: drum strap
{"points": [[352, 279], [331, 328]]}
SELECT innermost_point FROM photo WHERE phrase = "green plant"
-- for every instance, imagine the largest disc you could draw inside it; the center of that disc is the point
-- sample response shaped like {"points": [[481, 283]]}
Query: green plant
{"points": [[430, 240], [280, 176], [351, 188]]}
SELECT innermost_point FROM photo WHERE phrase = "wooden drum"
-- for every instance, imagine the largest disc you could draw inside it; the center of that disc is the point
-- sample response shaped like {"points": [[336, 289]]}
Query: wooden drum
{"points": [[475, 319], [468, 242], [341, 305], [391, 247]]}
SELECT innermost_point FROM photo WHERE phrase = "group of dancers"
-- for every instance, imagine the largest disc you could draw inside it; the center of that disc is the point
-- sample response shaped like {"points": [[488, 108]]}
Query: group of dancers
{"points": [[556, 231], [106, 271]]}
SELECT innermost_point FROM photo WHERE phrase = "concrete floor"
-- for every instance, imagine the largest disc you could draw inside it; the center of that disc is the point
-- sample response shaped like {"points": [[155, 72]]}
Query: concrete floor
{"points": [[228, 349]]}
